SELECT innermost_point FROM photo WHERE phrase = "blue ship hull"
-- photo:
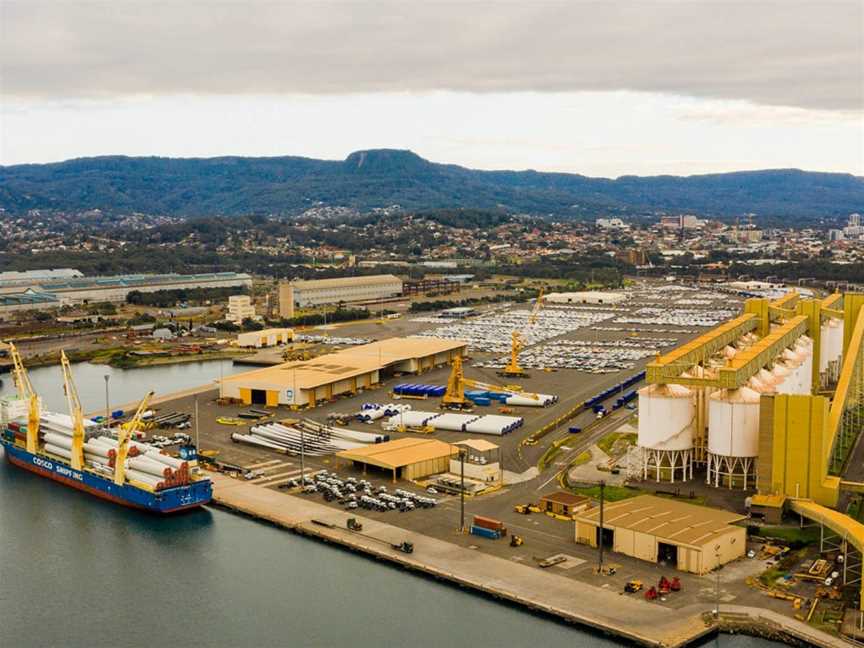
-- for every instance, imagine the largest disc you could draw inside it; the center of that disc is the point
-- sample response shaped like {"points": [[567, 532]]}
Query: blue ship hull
{"points": [[169, 500]]}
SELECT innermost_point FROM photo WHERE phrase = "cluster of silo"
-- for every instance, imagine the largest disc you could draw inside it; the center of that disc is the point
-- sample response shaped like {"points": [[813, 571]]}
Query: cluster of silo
{"points": [[669, 430], [831, 350]]}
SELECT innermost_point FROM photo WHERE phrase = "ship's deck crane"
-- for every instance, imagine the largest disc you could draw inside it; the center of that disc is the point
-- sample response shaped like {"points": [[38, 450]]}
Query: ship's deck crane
{"points": [[26, 392], [454, 397], [125, 433], [75, 411], [514, 369]]}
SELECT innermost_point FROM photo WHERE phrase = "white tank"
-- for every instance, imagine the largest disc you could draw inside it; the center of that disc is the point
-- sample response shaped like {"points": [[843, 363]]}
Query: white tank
{"points": [[789, 384], [832, 343], [804, 345], [792, 360], [733, 428], [781, 378], [667, 416]]}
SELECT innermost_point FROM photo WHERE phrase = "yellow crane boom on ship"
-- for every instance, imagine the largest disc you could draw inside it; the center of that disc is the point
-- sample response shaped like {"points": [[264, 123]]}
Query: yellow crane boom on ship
{"points": [[123, 436], [75, 411], [26, 392]]}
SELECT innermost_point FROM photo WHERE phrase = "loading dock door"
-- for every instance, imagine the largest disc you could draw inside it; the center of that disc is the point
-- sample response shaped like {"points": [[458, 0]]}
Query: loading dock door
{"points": [[259, 397], [667, 553]]}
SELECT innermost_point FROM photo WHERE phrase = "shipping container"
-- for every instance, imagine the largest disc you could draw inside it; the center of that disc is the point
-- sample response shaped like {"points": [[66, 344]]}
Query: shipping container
{"points": [[483, 532]]}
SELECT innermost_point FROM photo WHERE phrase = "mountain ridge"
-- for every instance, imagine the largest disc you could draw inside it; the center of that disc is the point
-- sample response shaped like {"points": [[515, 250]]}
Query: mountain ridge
{"points": [[230, 185]]}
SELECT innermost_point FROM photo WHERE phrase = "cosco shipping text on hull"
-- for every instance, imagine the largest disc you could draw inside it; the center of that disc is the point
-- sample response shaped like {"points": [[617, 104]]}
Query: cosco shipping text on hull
{"points": [[168, 500]]}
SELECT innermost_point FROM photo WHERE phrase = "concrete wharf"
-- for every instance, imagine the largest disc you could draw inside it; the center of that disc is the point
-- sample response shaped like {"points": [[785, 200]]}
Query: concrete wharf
{"points": [[629, 618]]}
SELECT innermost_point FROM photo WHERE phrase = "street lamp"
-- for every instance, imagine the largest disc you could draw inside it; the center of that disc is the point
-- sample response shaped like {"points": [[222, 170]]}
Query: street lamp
{"points": [[107, 401], [717, 583], [462, 453]]}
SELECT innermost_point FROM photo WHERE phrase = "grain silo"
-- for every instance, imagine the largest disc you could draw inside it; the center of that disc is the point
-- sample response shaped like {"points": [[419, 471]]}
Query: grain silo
{"points": [[733, 437], [667, 419]]}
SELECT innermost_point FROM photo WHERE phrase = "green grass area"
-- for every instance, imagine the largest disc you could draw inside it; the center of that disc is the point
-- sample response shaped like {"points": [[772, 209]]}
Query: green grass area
{"points": [[583, 458], [807, 535], [550, 454], [606, 443], [610, 493]]}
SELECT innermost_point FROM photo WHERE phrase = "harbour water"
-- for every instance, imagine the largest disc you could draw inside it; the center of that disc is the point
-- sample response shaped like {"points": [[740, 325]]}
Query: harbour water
{"points": [[77, 571], [124, 385]]}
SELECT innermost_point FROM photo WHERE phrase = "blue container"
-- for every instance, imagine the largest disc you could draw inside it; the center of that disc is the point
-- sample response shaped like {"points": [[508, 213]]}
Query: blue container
{"points": [[481, 400], [485, 533], [439, 391], [117, 414]]}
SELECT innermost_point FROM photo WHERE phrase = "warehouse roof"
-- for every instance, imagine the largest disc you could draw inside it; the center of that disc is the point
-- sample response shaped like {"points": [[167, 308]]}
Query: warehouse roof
{"points": [[480, 445], [399, 453], [308, 374], [398, 349], [670, 520], [355, 361], [343, 282]]}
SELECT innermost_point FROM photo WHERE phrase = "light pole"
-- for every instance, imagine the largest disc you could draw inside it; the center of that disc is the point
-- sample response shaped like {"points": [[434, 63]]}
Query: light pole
{"points": [[302, 458], [107, 402], [462, 454], [600, 539], [197, 435], [717, 583]]}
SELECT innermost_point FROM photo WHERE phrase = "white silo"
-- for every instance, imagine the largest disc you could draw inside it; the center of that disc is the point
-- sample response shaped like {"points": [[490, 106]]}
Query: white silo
{"points": [[788, 363], [667, 419], [804, 345], [733, 437], [831, 348]]}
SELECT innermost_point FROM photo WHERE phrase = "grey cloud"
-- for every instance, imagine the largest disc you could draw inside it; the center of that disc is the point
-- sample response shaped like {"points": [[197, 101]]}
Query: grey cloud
{"points": [[804, 54]]}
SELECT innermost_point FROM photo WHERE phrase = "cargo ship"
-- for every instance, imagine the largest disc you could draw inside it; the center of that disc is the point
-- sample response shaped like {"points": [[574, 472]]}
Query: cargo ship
{"points": [[169, 499], [88, 456]]}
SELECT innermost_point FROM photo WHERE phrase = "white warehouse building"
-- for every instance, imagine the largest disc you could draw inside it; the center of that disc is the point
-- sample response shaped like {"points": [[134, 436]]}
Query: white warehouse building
{"points": [[318, 292], [588, 297]]}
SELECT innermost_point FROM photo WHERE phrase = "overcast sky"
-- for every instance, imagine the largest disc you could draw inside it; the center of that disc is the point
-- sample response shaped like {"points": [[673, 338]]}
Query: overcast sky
{"points": [[603, 88]]}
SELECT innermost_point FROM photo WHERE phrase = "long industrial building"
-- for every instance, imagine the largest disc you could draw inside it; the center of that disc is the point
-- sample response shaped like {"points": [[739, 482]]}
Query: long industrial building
{"points": [[307, 383], [320, 292], [41, 294]]}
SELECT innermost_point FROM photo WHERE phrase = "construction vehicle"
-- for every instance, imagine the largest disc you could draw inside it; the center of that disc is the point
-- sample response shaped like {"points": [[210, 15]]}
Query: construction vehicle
{"points": [[454, 397], [651, 594], [354, 525], [526, 509], [633, 586], [664, 586], [516, 541], [27, 393], [513, 369]]}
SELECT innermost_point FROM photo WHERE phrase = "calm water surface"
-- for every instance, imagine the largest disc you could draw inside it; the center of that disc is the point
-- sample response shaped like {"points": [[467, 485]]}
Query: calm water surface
{"points": [[124, 385], [76, 571]]}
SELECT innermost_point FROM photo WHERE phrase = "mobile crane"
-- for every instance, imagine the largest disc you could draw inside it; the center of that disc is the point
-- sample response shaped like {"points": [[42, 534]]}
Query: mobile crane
{"points": [[26, 392], [454, 397], [513, 368]]}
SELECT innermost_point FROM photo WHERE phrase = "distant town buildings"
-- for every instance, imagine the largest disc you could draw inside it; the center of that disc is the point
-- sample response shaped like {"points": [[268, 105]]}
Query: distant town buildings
{"points": [[610, 223]]}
